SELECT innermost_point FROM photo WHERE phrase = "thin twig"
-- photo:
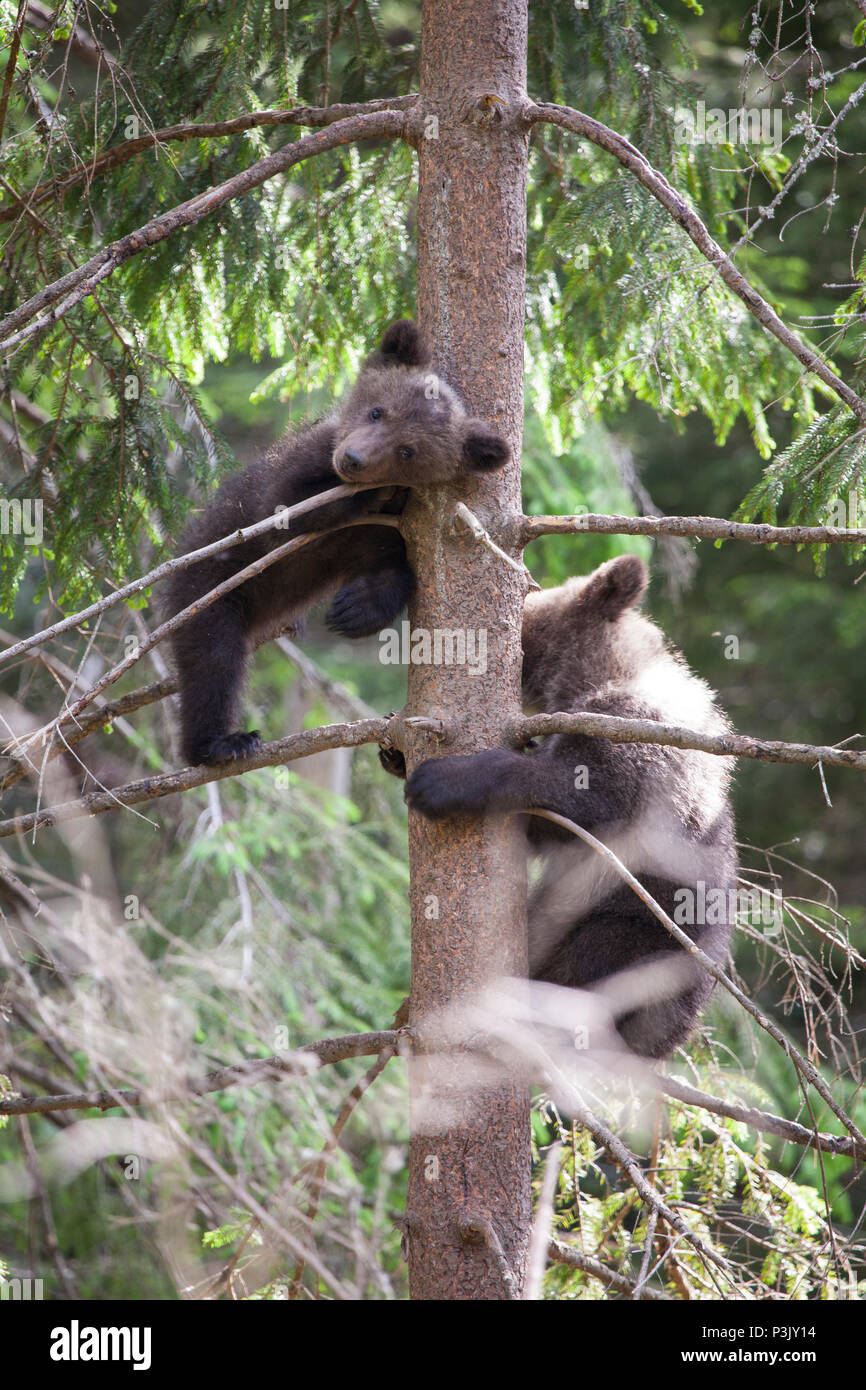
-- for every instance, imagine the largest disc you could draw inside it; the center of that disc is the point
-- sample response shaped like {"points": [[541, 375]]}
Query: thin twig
{"points": [[762, 1120], [298, 1063], [79, 41], [647, 1253], [12, 61], [539, 1241], [105, 715], [812, 151], [40, 1190], [185, 615], [108, 711], [333, 691], [321, 1164], [564, 1254], [625, 1159], [469, 522], [242, 1194], [664, 1239]]}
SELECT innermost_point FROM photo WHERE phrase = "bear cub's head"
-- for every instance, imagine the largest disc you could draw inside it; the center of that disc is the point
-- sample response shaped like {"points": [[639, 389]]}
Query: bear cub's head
{"points": [[402, 424], [586, 636]]}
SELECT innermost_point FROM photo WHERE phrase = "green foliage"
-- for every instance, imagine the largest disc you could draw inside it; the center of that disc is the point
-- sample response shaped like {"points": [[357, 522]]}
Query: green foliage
{"points": [[229, 1232], [676, 340], [269, 275], [821, 478], [303, 271], [721, 1177], [621, 304], [137, 398]]}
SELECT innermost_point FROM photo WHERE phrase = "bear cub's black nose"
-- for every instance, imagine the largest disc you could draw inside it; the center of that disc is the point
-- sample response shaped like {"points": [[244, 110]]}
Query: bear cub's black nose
{"points": [[351, 463]]}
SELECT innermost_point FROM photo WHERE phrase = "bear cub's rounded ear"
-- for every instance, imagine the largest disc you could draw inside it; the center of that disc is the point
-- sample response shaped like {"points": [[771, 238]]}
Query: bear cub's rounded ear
{"points": [[616, 585], [483, 451], [404, 346]]}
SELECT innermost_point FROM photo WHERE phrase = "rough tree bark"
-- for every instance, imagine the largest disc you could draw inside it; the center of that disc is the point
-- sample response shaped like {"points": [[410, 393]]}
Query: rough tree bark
{"points": [[468, 1212]]}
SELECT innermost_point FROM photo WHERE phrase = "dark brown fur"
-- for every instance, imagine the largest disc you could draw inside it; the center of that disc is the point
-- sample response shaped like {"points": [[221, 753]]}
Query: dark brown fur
{"points": [[401, 426], [664, 811]]}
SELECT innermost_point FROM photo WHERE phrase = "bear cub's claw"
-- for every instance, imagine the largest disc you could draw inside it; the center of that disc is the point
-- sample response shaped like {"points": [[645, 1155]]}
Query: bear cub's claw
{"points": [[393, 761]]}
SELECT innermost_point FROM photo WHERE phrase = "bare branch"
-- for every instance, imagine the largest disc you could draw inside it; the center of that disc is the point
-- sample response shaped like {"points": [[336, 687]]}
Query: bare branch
{"points": [[656, 184], [702, 527], [298, 1063], [619, 730], [563, 1254], [645, 1270], [333, 691], [812, 151], [284, 750], [108, 711], [120, 154], [332, 1050], [805, 1068], [762, 1120], [55, 299], [242, 1195]]}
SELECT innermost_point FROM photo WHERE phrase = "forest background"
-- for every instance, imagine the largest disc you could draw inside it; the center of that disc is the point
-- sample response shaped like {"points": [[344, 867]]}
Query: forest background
{"points": [[282, 895]]}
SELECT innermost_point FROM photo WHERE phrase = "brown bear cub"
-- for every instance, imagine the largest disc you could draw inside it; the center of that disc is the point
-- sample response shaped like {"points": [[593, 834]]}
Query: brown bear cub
{"points": [[665, 812], [401, 426]]}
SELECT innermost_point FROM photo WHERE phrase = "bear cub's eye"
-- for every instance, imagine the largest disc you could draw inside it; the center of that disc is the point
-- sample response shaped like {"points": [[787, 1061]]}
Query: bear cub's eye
{"points": [[404, 452], [376, 413]]}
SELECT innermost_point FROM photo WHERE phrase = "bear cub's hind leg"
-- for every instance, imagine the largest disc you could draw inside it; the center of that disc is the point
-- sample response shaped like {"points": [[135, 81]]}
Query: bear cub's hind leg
{"points": [[211, 676]]}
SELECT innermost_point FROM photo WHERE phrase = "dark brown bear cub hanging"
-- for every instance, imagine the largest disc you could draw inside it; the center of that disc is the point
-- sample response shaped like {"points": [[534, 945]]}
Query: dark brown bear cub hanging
{"points": [[401, 426], [664, 811]]}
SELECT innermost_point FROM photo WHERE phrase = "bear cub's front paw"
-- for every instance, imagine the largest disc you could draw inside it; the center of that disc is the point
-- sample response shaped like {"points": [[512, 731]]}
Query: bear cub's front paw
{"points": [[469, 784], [443, 787], [228, 747], [360, 609]]}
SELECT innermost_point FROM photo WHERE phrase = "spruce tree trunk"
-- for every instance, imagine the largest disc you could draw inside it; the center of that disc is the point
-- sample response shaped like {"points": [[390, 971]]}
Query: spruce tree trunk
{"points": [[468, 1210]]}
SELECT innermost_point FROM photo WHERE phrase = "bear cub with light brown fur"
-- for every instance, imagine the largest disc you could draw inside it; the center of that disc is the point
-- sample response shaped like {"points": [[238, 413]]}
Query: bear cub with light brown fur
{"points": [[401, 426], [665, 812]]}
